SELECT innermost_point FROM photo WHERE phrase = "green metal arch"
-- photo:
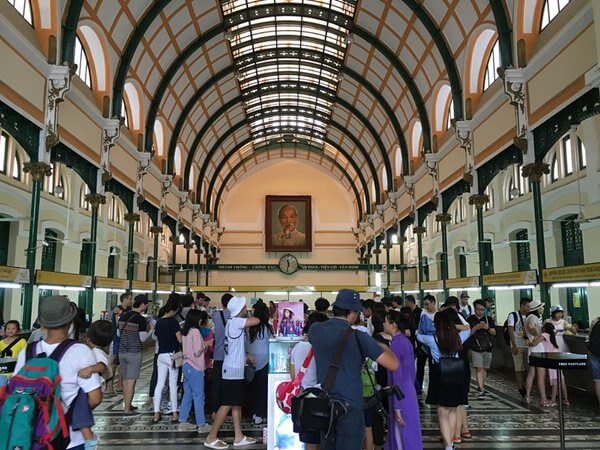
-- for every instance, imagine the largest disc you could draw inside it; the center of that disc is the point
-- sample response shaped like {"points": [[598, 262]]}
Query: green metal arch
{"points": [[235, 100], [504, 32], [247, 158], [440, 42], [69, 31], [243, 123], [88, 172], [132, 45]]}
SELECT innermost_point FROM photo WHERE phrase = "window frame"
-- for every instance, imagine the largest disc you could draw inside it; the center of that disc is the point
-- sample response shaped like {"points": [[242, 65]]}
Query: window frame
{"points": [[492, 65], [27, 11], [79, 56], [16, 166], [4, 151], [546, 10]]}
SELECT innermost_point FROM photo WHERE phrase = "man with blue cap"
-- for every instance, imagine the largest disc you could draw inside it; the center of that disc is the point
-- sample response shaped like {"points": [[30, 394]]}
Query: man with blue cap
{"points": [[325, 338]]}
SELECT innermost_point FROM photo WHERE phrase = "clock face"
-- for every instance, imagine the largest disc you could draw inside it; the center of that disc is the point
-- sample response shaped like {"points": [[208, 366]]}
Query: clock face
{"points": [[288, 264]]}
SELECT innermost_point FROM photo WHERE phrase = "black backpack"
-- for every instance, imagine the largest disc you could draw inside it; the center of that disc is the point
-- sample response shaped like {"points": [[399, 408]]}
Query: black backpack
{"points": [[505, 333], [594, 342]]}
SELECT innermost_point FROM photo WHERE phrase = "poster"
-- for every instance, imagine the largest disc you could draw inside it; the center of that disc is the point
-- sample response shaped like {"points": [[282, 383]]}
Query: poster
{"points": [[290, 319]]}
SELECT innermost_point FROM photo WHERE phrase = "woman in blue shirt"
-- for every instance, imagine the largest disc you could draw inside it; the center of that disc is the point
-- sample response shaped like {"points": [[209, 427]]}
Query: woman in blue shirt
{"points": [[446, 342]]}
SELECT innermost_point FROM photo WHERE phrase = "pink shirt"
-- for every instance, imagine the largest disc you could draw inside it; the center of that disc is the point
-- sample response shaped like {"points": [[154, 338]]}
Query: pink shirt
{"points": [[193, 350]]}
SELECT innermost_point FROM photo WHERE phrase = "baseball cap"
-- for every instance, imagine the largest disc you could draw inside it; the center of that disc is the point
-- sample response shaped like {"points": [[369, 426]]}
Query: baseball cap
{"points": [[348, 299], [556, 308], [464, 294]]}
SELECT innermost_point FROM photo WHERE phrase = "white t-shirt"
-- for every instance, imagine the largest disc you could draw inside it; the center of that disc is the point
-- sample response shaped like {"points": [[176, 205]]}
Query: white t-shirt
{"points": [[466, 310], [102, 357], [235, 352], [298, 356], [77, 357], [519, 334]]}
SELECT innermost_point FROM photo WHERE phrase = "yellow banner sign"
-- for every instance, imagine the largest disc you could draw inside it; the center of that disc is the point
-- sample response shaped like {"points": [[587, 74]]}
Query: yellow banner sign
{"points": [[511, 278], [142, 285], [62, 279], [164, 287], [411, 287], [430, 285], [14, 274], [584, 272], [209, 288], [462, 283], [111, 283]]}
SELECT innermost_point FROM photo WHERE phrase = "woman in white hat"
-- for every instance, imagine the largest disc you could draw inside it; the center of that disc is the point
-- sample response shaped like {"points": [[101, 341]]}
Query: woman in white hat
{"points": [[560, 325], [533, 331]]}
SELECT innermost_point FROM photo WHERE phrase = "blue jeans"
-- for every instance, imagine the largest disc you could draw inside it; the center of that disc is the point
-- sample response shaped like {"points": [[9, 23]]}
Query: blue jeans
{"points": [[348, 433], [193, 390]]}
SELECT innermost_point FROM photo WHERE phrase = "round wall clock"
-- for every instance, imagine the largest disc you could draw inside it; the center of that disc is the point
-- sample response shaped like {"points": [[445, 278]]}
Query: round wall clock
{"points": [[288, 264]]}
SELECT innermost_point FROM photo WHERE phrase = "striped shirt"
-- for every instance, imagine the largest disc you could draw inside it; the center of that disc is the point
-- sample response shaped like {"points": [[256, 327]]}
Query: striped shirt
{"points": [[131, 324]]}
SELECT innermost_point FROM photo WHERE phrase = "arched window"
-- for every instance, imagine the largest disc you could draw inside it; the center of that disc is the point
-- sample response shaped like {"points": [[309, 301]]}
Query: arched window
{"points": [[4, 139], [550, 10], [83, 67], [491, 69], [458, 211], [398, 162], [554, 172], [384, 179], [191, 178], [124, 113], [24, 8], [177, 160], [115, 211], [133, 102], [489, 191], [83, 203], [159, 138], [16, 168], [416, 139], [55, 183], [517, 185], [581, 153], [450, 115]]}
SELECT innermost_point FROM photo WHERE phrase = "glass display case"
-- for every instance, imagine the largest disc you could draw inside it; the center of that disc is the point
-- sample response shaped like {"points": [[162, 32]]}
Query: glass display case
{"points": [[280, 434]]}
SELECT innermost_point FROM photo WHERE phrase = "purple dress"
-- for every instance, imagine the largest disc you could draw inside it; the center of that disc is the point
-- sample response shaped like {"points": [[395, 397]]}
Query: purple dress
{"points": [[409, 436]]}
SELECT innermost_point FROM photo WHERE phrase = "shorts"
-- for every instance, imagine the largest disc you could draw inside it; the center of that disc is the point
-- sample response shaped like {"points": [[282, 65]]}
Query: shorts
{"points": [[369, 417], [481, 360], [520, 360], [595, 363], [232, 392], [131, 364]]}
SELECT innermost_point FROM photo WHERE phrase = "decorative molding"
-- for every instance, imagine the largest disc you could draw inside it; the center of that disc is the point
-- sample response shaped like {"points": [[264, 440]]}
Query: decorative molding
{"points": [[156, 230], [38, 170], [95, 200], [444, 219], [479, 200], [144, 159], [419, 230], [111, 131], [515, 86], [464, 136], [58, 83], [592, 77], [535, 171], [132, 217]]}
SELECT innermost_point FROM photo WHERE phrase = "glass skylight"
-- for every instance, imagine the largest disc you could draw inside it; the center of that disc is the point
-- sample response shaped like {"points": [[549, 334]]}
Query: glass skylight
{"points": [[288, 55]]}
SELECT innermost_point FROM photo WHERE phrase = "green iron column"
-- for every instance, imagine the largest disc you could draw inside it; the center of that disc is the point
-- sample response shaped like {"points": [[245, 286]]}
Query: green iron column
{"points": [[535, 172], [401, 240], [387, 246], [198, 264], [444, 220], [156, 232], [38, 171], [188, 248], [479, 200], [419, 232], [174, 240], [95, 200], [131, 219]]}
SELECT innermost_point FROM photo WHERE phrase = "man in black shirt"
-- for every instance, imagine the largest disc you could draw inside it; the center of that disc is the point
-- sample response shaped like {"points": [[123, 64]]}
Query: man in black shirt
{"points": [[480, 344]]}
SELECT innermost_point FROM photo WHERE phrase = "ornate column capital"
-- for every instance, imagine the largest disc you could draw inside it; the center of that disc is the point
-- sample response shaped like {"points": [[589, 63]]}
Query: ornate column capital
{"points": [[387, 246], [535, 171], [479, 200], [419, 230], [38, 170], [188, 246], [156, 230], [377, 251], [132, 217], [444, 219], [95, 200]]}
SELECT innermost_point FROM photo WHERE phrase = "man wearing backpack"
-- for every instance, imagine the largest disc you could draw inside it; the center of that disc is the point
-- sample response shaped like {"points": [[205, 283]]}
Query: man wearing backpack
{"points": [[56, 314], [480, 344], [465, 309], [515, 328], [594, 348]]}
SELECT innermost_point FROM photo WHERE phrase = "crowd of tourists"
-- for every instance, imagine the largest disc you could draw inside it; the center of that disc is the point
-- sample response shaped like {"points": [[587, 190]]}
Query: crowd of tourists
{"points": [[365, 358]]}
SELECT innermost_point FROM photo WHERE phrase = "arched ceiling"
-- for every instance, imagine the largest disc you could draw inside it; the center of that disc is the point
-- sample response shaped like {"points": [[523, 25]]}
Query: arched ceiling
{"points": [[236, 75]]}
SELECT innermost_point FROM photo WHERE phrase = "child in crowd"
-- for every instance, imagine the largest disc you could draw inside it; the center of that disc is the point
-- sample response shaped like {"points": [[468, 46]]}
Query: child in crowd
{"points": [[100, 335], [551, 345]]}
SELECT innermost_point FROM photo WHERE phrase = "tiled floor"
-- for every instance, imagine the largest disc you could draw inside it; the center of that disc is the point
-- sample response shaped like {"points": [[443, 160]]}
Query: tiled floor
{"points": [[503, 421]]}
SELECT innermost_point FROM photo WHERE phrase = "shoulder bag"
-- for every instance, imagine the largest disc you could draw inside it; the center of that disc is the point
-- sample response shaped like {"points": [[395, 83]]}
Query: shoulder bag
{"points": [[314, 409], [452, 369], [481, 341], [287, 390], [7, 352]]}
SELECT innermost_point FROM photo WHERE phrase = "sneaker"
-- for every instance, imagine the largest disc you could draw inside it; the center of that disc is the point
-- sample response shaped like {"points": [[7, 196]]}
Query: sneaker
{"points": [[186, 426], [258, 420], [91, 444], [486, 392], [205, 428], [481, 395]]}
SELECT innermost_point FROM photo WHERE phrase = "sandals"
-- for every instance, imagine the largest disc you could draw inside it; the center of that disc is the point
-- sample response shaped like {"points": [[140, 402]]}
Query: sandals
{"points": [[157, 420], [466, 435], [246, 441], [216, 444]]}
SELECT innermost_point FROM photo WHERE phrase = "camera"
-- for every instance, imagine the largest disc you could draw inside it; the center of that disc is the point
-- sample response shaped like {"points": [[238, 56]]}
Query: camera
{"points": [[377, 401]]}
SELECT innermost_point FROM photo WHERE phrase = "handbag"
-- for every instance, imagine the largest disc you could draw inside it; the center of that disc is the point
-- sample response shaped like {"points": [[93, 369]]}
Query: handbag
{"points": [[287, 390], [452, 369], [481, 341], [177, 359], [313, 409], [249, 373]]}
